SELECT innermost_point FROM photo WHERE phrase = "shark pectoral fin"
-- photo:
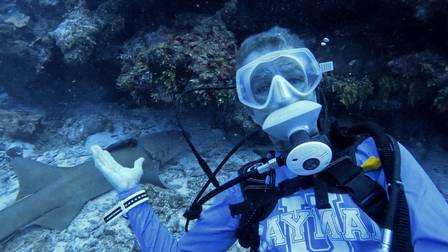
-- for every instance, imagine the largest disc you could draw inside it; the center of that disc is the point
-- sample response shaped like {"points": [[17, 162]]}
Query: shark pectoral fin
{"points": [[61, 217], [127, 156], [160, 148], [151, 173], [163, 146], [34, 175]]}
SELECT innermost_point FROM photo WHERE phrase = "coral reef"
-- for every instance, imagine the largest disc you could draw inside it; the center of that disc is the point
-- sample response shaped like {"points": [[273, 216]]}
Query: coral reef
{"points": [[83, 32], [75, 36], [150, 76], [76, 131], [158, 67], [420, 79], [441, 101], [69, 50], [349, 90], [19, 125], [19, 20], [55, 42]]}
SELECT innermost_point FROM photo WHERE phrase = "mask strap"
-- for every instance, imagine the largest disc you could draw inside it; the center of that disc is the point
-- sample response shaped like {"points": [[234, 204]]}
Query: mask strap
{"points": [[326, 66]]}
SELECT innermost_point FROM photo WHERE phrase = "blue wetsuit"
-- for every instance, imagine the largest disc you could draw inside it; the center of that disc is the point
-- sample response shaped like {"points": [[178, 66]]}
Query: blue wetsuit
{"points": [[296, 225]]}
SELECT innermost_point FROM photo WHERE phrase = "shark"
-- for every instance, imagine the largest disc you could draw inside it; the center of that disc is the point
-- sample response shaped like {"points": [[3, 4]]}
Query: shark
{"points": [[51, 197]]}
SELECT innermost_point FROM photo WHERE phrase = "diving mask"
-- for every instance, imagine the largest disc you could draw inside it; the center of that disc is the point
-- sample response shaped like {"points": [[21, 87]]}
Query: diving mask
{"points": [[276, 78]]}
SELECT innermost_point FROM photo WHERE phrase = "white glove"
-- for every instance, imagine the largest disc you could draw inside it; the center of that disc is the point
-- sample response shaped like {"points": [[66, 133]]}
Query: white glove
{"points": [[121, 178]]}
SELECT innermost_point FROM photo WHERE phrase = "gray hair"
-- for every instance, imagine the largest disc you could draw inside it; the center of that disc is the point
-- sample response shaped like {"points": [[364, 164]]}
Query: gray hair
{"points": [[275, 39]]}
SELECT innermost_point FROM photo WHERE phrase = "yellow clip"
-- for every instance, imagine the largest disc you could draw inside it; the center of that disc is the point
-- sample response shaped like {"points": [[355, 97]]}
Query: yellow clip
{"points": [[372, 163]]}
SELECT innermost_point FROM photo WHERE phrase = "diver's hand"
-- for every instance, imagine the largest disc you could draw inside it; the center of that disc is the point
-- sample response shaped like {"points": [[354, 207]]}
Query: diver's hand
{"points": [[121, 178]]}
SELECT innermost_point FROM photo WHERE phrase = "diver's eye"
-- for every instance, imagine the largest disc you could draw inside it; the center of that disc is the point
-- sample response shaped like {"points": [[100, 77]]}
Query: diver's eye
{"points": [[296, 77], [261, 89], [296, 82], [260, 82]]}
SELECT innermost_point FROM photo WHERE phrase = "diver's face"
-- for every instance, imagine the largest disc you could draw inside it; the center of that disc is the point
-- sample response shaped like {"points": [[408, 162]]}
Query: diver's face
{"points": [[277, 79]]}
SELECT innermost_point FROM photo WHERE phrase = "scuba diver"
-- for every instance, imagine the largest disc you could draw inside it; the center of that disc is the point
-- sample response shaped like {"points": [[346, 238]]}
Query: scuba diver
{"points": [[326, 187]]}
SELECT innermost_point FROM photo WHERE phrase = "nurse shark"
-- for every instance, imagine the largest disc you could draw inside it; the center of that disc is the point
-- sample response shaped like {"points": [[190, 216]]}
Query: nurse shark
{"points": [[51, 197]]}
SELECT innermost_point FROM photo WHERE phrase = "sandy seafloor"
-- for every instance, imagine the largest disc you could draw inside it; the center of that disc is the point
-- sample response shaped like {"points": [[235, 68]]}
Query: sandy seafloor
{"points": [[183, 176]]}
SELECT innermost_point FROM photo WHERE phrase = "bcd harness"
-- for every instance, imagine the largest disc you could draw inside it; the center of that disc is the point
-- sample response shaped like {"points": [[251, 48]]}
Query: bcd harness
{"points": [[342, 176]]}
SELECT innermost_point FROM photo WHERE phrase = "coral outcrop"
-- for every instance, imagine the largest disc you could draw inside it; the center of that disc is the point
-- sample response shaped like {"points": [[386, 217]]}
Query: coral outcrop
{"points": [[420, 79], [153, 52], [352, 92], [159, 67], [18, 124]]}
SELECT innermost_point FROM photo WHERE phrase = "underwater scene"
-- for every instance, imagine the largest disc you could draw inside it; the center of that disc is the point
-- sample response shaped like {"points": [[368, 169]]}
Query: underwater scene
{"points": [[226, 125]]}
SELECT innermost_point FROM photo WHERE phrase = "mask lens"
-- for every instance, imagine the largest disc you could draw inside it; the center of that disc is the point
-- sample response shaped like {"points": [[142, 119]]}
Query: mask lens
{"points": [[260, 82], [263, 74]]}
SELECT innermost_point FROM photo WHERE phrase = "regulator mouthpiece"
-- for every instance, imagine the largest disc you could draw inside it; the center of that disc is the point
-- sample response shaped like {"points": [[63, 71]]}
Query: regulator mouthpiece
{"points": [[296, 123], [309, 156], [301, 115]]}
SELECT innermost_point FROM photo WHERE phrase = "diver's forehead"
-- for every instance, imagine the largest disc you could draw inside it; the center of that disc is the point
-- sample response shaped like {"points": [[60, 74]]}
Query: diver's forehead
{"points": [[266, 55], [255, 55], [259, 53]]}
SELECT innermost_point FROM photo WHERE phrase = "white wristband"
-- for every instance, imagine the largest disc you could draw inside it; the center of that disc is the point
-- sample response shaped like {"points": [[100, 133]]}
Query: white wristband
{"points": [[125, 205]]}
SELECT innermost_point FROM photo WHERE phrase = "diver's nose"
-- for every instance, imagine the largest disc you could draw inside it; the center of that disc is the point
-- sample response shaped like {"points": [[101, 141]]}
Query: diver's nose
{"points": [[282, 91]]}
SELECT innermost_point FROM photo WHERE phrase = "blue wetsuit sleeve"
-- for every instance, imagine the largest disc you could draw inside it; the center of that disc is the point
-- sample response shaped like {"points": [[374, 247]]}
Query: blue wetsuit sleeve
{"points": [[214, 231], [428, 210], [151, 235]]}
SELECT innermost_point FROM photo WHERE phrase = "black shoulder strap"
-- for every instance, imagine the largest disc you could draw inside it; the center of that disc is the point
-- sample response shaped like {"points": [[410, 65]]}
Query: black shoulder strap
{"points": [[366, 193], [254, 190], [261, 196]]}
